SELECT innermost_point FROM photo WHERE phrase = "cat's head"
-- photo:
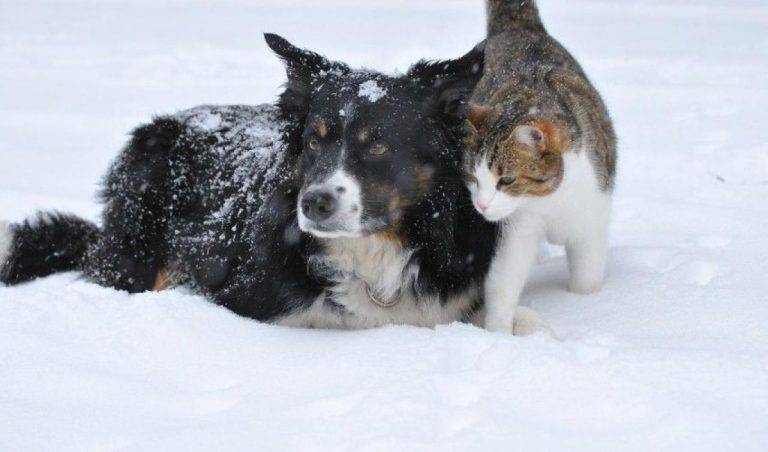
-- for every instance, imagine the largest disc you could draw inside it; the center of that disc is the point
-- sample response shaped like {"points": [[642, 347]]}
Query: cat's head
{"points": [[510, 162]]}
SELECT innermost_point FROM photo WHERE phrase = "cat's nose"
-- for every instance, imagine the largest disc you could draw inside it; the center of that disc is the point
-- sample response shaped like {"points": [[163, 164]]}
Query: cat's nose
{"points": [[482, 207]]}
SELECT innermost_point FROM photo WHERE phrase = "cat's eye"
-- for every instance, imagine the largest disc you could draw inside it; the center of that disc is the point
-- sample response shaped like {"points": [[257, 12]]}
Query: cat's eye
{"points": [[314, 144], [378, 149], [507, 181]]}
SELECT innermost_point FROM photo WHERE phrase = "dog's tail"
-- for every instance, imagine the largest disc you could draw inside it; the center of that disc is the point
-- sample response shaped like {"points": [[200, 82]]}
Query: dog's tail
{"points": [[45, 244], [508, 14]]}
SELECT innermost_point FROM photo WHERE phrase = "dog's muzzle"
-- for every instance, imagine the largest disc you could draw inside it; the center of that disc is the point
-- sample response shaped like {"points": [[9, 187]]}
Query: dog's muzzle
{"points": [[332, 208], [319, 205]]}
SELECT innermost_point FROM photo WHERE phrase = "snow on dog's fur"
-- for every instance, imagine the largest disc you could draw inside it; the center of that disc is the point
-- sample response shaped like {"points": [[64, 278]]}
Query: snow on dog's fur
{"points": [[6, 238], [342, 206]]}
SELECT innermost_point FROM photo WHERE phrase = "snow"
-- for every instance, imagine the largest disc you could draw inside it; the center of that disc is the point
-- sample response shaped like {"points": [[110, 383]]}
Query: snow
{"points": [[371, 91], [248, 143], [6, 239], [671, 355]]}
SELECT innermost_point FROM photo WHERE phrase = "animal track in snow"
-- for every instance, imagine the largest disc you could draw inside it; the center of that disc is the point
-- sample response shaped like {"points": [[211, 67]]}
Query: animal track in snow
{"points": [[453, 422], [699, 272], [714, 241], [212, 402], [330, 406], [682, 266], [651, 260]]}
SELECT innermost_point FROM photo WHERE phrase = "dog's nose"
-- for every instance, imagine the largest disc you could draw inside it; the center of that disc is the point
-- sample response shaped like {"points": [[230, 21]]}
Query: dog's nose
{"points": [[318, 205]]}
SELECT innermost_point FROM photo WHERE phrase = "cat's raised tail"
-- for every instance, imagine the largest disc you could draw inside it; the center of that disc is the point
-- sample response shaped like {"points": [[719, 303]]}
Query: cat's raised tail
{"points": [[504, 15]]}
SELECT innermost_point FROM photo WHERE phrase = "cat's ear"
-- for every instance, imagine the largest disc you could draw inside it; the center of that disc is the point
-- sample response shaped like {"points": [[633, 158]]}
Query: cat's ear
{"points": [[304, 68], [482, 117], [543, 135], [530, 136]]}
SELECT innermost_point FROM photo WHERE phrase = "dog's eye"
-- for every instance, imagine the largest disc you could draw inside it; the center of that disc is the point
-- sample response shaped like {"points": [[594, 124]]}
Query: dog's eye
{"points": [[507, 181], [378, 149], [314, 144]]}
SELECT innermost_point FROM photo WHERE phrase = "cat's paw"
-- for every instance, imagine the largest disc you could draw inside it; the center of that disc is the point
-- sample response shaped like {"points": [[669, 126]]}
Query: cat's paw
{"points": [[496, 325], [585, 285], [528, 322]]}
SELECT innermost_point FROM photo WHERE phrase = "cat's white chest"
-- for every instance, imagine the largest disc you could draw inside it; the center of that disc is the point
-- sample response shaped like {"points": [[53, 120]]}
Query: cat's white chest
{"points": [[576, 207]]}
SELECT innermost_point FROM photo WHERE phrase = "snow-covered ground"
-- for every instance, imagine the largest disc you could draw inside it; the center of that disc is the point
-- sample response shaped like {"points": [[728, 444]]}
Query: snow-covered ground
{"points": [[672, 355]]}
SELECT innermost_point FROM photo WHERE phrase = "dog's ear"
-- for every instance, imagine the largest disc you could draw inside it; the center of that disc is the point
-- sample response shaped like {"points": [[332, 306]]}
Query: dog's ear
{"points": [[451, 82], [304, 68]]}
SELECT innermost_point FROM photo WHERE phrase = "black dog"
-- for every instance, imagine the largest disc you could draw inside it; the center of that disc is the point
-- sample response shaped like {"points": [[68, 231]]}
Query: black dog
{"points": [[341, 206]]}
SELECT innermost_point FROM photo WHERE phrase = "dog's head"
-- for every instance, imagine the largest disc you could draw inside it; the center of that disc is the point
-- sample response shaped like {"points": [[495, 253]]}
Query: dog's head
{"points": [[373, 146]]}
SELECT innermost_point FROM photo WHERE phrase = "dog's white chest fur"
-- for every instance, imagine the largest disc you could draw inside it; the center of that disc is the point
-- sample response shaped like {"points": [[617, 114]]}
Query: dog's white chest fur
{"points": [[373, 271]]}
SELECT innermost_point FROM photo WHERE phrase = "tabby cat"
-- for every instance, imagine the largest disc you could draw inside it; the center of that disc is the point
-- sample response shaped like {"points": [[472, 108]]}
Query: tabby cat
{"points": [[541, 157]]}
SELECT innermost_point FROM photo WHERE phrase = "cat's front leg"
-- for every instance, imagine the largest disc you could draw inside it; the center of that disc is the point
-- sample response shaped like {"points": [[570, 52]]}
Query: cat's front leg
{"points": [[509, 272], [587, 259]]}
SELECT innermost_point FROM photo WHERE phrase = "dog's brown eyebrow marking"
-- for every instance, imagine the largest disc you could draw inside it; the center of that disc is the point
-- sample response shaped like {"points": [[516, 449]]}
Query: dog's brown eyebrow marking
{"points": [[424, 175], [321, 128]]}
